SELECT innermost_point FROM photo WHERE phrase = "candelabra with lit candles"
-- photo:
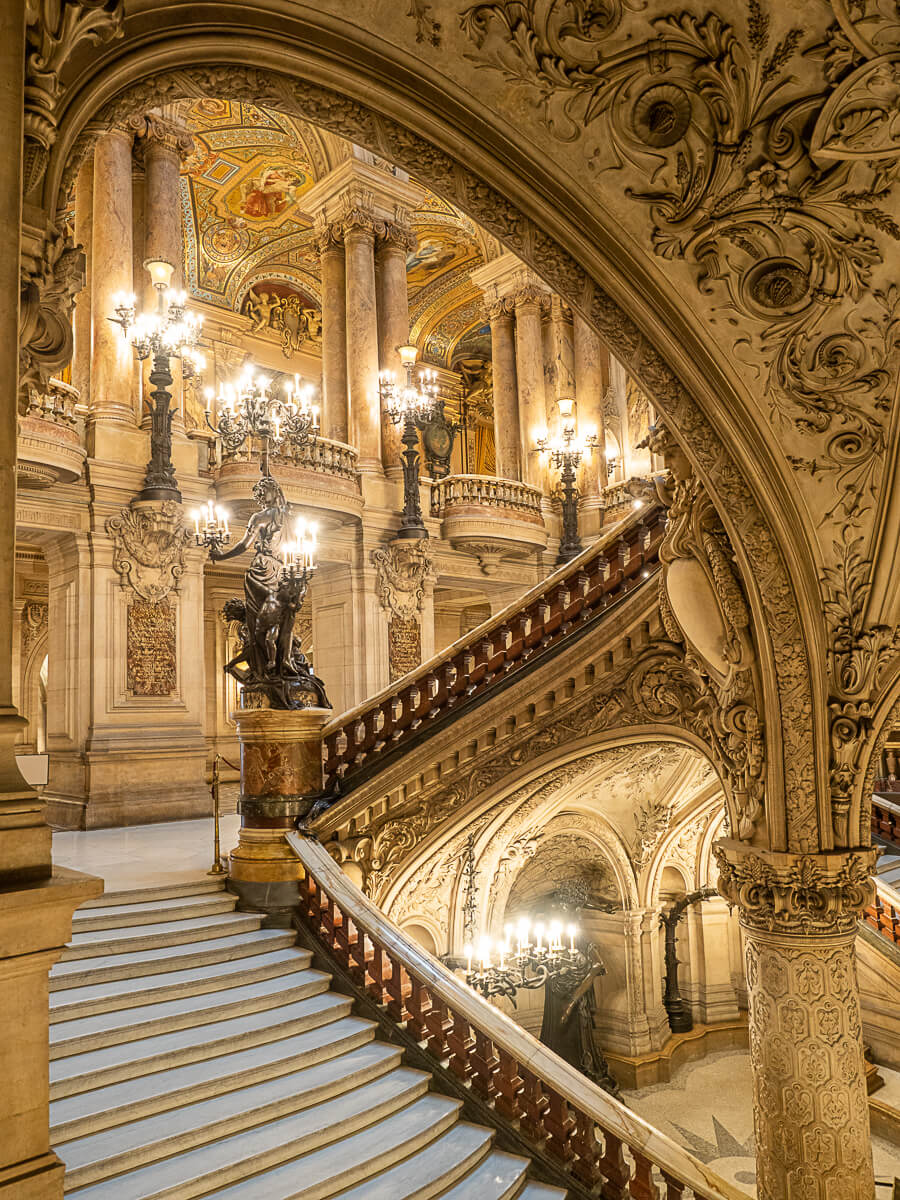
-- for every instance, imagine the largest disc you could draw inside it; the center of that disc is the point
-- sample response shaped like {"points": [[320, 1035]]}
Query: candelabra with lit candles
{"points": [[528, 957], [411, 405], [566, 451], [252, 409], [170, 332]]}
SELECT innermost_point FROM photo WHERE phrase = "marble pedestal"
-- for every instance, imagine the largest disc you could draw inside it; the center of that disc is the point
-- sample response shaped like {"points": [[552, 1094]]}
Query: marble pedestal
{"points": [[281, 777]]}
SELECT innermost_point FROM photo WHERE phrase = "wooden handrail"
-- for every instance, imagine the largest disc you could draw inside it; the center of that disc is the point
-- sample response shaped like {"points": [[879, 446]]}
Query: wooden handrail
{"points": [[594, 1138], [553, 611]]}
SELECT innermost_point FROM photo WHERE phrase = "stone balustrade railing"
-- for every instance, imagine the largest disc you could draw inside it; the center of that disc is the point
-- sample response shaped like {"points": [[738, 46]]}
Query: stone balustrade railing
{"points": [[322, 455], [886, 819], [483, 491], [598, 1145], [558, 609], [58, 403], [883, 913]]}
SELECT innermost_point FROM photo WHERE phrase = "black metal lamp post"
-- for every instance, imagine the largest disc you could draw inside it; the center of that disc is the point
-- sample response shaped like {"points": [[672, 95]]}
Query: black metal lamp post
{"points": [[168, 333], [566, 452], [680, 1019], [411, 405]]}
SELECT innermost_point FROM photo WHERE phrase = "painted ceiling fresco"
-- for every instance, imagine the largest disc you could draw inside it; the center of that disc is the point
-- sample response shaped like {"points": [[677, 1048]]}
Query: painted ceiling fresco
{"points": [[246, 233]]}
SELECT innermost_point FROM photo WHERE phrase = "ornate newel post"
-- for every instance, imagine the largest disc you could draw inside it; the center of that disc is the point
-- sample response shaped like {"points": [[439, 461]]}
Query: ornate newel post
{"points": [[281, 778], [799, 915]]}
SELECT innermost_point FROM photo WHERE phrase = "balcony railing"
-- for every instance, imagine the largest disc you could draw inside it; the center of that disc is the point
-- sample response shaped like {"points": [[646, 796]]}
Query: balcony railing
{"points": [[484, 491], [597, 1145], [50, 446], [556, 610], [58, 403], [322, 455]]}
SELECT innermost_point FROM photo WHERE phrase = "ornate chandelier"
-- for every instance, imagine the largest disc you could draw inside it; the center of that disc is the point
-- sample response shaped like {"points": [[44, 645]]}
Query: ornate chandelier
{"points": [[252, 409]]}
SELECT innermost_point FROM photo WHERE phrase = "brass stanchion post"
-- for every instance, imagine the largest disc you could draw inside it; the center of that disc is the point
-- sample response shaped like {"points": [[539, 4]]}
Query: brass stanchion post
{"points": [[218, 868]]}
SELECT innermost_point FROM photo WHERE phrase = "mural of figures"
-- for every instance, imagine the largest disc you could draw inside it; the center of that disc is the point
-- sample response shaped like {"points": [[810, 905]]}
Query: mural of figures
{"points": [[269, 192]]}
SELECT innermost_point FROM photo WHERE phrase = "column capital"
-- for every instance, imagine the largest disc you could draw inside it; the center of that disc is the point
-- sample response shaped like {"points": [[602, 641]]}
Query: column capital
{"points": [[153, 129], [329, 236], [360, 223], [394, 235], [801, 894], [502, 310], [531, 295]]}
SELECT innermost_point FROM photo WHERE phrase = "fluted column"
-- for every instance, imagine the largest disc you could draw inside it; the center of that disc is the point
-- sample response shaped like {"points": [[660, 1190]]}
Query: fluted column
{"points": [[335, 422], [112, 366], [591, 382], [362, 341], [507, 437], [799, 916], [393, 322], [84, 221], [161, 143], [530, 379]]}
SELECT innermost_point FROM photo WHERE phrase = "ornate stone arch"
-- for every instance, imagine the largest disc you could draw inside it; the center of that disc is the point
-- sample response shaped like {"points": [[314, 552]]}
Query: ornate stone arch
{"points": [[128, 78]]}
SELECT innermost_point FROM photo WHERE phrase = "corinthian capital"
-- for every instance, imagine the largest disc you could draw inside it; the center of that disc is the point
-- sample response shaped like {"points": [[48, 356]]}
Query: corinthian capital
{"points": [[151, 127], [394, 235], [531, 293], [501, 308], [780, 892], [329, 235]]}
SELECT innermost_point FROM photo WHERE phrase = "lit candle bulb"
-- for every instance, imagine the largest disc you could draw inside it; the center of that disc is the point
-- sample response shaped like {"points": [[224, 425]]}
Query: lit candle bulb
{"points": [[485, 954], [467, 950], [196, 515], [571, 932], [315, 416], [523, 935], [504, 950], [539, 938], [208, 392]]}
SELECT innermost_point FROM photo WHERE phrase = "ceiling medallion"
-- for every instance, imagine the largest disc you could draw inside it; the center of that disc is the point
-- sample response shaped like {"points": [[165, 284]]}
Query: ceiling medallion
{"points": [[223, 242], [777, 285], [662, 115]]}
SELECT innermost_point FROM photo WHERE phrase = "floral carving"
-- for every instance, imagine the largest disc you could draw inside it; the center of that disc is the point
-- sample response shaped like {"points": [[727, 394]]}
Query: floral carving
{"points": [[403, 569]]}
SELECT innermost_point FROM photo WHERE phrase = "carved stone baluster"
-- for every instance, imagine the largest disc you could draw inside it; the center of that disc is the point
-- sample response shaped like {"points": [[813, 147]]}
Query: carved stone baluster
{"points": [[674, 1187], [398, 988], [337, 932], [534, 1104], [418, 1003], [377, 987], [358, 955], [438, 1023], [642, 1186], [559, 1124], [509, 1086], [485, 1065], [460, 1042], [614, 1168], [584, 1142]]}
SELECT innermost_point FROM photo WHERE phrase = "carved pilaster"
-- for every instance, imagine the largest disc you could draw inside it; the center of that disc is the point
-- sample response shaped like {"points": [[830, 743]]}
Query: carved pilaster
{"points": [[799, 915], [403, 573]]}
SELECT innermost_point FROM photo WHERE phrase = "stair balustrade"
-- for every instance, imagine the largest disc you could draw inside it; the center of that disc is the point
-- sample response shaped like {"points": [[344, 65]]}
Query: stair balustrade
{"points": [[883, 913], [601, 1146], [886, 820], [555, 612]]}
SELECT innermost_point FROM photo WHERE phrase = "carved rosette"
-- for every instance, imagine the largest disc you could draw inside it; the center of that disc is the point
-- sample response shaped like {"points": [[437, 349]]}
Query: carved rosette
{"points": [[149, 541]]}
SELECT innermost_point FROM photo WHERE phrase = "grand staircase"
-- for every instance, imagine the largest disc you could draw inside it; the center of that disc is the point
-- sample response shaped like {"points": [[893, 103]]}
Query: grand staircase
{"points": [[196, 1054]]}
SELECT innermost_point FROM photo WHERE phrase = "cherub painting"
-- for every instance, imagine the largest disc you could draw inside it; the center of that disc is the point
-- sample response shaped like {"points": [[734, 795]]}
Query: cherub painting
{"points": [[269, 193]]}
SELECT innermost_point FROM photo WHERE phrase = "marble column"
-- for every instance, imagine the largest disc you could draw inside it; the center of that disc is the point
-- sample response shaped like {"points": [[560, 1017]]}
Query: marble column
{"points": [[84, 221], [507, 438], [36, 902], [112, 366], [393, 323], [162, 143], [799, 917], [362, 342], [591, 382], [530, 379], [335, 423]]}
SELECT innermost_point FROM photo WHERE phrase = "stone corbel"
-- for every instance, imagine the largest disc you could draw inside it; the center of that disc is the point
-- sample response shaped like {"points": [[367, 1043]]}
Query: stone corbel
{"points": [[403, 569], [149, 541], [53, 30], [45, 313]]}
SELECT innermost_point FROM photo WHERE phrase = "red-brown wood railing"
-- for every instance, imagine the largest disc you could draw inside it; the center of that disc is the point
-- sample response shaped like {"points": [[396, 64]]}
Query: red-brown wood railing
{"points": [[886, 821], [546, 616], [609, 1150], [884, 916]]}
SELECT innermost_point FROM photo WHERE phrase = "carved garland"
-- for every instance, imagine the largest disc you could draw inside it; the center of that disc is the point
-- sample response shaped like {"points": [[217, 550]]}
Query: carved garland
{"points": [[505, 221]]}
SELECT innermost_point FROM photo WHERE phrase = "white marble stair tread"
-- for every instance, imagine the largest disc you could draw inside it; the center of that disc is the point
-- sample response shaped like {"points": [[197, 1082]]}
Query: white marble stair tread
{"points": [[126, 1147], [499, 1177], [191, 981], [349, 1161], [103, 968], [164, 891], [152, 912], [539, 1191], [168, 933], [197, 1172], [106, 1029], [102, 1107], [430, 1172], [97, 1068]]}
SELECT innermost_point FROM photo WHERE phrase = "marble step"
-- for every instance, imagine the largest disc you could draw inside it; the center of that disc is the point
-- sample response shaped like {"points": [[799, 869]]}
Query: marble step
{"points": [[537, 1191], [104, 942], [128, 1025], [111, 967], [152, 912], [430, 1172], [103, 1107], [163, 891], [499, 1177], [178, 1130], [127, 1060], [362, 1132], [90, 1000]]}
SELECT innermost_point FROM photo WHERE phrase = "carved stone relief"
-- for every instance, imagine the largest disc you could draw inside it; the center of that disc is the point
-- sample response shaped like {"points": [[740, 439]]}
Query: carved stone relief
{"points": [[45, 311], [149, 542], [151, 657], [34, 625], [403, 571]]}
